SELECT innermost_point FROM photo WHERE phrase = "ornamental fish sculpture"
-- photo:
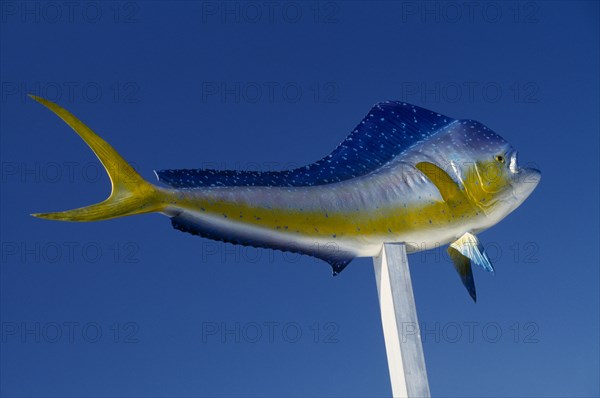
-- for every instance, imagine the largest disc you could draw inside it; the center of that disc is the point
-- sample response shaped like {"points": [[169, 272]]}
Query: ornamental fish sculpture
{"points": [[405, 174]]}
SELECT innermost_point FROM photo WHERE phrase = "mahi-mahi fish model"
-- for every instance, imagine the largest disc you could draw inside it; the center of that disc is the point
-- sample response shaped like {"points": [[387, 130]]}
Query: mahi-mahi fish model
{"points": [[404, 174]]}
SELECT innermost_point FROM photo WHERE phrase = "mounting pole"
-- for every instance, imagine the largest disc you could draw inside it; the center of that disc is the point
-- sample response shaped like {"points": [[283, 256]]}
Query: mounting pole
{"points": [[400, 324]]}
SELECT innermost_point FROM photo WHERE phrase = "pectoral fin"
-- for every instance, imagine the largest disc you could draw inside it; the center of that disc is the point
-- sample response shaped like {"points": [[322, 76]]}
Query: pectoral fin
{"points": [[468, 245], [449, 189]]}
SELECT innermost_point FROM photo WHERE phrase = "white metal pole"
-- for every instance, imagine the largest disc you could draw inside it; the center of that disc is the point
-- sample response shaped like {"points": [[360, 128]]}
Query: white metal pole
{"points": [[401, 330]]}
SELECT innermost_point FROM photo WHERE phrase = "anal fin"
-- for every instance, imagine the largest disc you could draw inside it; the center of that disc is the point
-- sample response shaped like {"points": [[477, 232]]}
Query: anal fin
{"points": [[468, 245], [337, 259], [463, 252], [338, 264], [463, 267]]}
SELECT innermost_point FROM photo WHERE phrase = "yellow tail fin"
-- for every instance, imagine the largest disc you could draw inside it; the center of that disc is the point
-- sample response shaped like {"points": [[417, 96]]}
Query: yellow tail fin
{"points": [[130, 195]]}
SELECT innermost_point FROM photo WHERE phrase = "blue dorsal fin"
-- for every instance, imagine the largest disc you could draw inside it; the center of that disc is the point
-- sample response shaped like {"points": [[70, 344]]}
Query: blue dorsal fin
{"points": [[389, 128]]}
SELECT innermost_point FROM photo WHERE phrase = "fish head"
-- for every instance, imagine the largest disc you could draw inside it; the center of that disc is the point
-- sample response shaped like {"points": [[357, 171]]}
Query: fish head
{"points": [[490, 172]]}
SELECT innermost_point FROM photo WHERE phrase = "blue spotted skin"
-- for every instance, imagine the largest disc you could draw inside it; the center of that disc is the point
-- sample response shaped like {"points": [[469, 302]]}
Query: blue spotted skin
{"points": [[388, 129], [371, 172], [396, 183]]}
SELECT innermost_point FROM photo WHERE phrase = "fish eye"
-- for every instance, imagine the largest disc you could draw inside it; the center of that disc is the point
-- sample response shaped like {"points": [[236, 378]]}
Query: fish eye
{"points": [[500, 158]]}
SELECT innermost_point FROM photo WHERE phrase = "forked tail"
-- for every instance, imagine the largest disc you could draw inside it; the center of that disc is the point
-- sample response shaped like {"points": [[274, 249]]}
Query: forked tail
{"points": [[130, 194]]}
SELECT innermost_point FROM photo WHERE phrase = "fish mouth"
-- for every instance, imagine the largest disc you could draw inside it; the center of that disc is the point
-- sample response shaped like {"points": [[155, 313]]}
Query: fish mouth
{"points": [[526, 179]]}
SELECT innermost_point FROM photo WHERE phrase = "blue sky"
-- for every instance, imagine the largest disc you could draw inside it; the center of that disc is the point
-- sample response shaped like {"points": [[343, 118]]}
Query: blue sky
{"points": [[131, 307]]}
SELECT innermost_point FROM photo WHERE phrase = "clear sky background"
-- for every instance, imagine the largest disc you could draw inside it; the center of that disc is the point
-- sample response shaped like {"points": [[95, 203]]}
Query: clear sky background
{"points": [[131, 307]]}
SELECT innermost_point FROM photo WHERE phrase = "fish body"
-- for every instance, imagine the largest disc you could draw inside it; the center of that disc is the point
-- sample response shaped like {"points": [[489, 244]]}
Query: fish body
{"points": [[404, 174]]}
